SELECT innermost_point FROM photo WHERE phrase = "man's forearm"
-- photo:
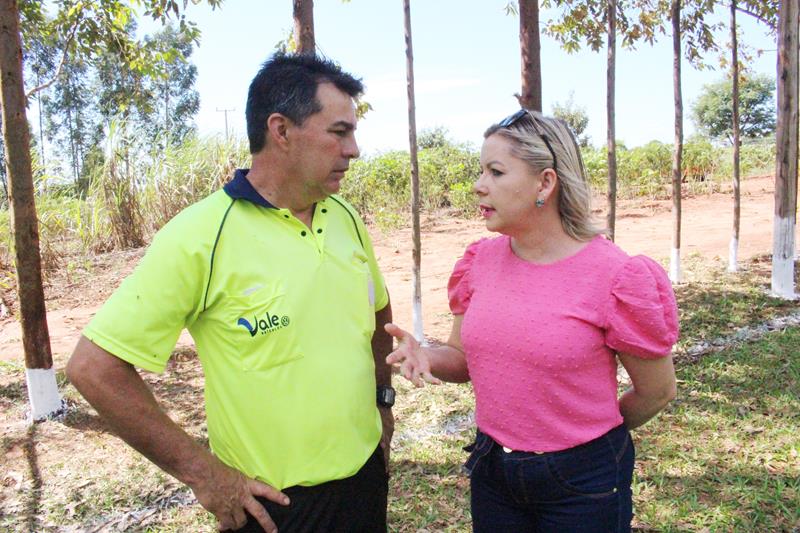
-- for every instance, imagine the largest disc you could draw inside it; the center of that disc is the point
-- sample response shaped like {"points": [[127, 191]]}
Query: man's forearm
{"points": [[115, 389], [382, 346]]}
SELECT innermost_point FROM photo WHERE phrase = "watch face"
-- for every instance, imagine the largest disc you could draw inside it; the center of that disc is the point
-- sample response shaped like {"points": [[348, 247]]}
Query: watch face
{"points": [[386, 396]]}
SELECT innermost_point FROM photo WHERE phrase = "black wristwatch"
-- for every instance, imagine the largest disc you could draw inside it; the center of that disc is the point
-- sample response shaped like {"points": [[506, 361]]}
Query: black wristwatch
{"points": [[385, 396]]}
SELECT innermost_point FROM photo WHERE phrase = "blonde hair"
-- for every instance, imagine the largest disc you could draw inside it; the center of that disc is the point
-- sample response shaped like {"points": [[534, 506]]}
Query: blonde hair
{"points": [[574, 194]]}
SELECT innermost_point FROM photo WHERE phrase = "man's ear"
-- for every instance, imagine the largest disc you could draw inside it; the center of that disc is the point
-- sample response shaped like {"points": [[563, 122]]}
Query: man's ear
{"points": [[277, 130]]}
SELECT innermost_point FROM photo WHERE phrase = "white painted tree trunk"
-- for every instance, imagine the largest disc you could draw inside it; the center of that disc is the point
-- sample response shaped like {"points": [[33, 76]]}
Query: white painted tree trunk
{"points": [[786, 141], [783, 258], [415, 198], [43, 394], [733, 255], [675, 265]]}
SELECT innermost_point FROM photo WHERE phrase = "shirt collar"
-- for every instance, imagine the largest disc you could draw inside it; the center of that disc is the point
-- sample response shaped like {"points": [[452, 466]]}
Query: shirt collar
{"points": [[241, 188]]}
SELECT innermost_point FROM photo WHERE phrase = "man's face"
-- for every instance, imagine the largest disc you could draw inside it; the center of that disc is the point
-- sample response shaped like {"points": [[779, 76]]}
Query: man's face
{"points": [[324, 145]]}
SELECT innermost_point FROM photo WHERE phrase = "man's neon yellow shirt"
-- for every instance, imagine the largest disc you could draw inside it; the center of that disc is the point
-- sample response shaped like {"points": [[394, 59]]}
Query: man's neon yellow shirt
{"points": [[282, 316]]}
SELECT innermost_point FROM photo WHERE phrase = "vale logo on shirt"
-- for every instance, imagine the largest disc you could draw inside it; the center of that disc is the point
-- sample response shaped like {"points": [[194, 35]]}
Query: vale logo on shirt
{"points": [[267, 324]]}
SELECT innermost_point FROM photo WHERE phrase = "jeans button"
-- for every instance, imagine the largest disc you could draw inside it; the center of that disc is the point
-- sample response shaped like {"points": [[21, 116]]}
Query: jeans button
{"points": [[507, 450]]}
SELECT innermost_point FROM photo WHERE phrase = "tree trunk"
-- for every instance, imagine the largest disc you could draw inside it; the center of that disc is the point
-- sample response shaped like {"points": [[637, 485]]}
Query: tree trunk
{"points": [[786, 160], [531, 95], [610, 114], [412, 142], [733, 252], [42, 389], [675, 255], [304, 26]]}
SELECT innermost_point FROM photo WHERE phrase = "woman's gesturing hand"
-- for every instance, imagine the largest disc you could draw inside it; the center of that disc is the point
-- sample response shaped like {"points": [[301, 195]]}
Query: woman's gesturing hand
{"points": [[415, 364]]}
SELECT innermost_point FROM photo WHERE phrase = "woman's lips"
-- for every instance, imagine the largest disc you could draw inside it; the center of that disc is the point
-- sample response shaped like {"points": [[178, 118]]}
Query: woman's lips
{"points": [[486, 211]]}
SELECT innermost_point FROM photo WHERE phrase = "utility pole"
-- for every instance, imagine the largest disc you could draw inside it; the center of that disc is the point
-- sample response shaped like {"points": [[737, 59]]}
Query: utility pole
{"points": [[225, 111]]}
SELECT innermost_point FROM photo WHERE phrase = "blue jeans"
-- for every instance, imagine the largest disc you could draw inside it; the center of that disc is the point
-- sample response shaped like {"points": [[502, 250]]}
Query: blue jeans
{"points": [[582, 489]]}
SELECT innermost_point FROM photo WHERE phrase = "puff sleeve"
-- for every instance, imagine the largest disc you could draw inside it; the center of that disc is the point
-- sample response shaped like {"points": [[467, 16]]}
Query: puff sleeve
{"points": [[642, 317], [459, 289]]}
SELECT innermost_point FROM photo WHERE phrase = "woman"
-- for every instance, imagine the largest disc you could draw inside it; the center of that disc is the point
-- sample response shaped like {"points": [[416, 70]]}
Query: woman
{"points": [[542, 313]]}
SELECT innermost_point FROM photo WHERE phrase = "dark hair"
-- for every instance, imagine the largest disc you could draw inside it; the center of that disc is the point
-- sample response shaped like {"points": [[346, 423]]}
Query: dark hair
{"points": [[287, 84]]}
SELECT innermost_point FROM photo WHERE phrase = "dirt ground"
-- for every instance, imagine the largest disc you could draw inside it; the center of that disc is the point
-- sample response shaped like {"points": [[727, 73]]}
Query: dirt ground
{"points": [[643, 226]]}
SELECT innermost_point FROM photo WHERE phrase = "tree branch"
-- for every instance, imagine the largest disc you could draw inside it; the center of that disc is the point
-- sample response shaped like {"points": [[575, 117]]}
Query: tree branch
{"points": [[755, 16], [52, 80]]}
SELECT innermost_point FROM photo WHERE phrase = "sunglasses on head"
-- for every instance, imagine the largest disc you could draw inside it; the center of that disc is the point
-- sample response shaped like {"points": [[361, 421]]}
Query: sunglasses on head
{"points": [[522, 113]]}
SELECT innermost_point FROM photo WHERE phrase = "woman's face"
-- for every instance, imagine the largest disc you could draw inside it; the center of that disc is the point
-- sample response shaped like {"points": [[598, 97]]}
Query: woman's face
{"points": [[507, 188]]}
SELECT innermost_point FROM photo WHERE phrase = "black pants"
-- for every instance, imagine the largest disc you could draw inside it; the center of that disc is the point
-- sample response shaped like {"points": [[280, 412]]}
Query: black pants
{"points": [[356, 504]]}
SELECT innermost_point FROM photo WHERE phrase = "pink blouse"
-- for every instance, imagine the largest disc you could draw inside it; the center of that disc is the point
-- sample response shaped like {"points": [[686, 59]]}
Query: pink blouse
{"points": [[541, 339]]}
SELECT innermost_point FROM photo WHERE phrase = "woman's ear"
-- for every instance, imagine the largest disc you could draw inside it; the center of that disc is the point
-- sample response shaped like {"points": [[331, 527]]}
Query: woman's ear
{"points": [[547, 183]]}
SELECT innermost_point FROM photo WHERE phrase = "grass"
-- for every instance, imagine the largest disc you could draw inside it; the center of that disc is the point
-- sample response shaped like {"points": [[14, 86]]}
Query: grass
{"points": [[723, 457], [714, 303]]}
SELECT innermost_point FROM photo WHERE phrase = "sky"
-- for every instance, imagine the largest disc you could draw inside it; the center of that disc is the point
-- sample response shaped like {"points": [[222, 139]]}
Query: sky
{"points": [[466, 68]]}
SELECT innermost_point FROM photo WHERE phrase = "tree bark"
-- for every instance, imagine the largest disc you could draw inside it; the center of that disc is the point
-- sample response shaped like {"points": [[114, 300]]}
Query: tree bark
{"points": [[786, 161], [734, 245], [304, 26], [675, 255], [530, 49], [412, 142], [40, 375], [33, 318], [611, 119]]}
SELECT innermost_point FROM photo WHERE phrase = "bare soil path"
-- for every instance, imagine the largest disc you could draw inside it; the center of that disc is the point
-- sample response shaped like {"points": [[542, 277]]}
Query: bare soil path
{"points": [[643, 226]]}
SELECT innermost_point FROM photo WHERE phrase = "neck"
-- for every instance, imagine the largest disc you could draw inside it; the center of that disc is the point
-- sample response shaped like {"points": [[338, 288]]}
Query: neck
{"points": [[274, 182], [545, 242]]}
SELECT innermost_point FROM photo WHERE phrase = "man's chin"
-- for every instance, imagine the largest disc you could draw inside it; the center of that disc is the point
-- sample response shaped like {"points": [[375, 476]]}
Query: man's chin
{"points": [[332, 186]]}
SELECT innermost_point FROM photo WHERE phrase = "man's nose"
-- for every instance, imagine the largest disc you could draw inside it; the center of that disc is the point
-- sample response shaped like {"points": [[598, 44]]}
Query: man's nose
{"points": [[350, 149]]}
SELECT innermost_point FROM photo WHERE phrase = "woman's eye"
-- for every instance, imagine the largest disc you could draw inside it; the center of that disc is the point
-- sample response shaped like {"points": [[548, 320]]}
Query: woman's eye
{"points": [[495, 172]]}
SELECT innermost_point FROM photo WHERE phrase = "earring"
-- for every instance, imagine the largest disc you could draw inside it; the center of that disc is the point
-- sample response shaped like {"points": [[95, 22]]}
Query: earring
{"points": [[539, 202]]}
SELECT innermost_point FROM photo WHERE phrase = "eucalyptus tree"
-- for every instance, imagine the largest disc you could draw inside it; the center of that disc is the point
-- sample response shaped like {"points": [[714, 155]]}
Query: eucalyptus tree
{"points": [[591, 21], [416, 309], [530, 96], [688, 27], [733, 248], [764, 11], [303, 14], [90, 27], [175, 98], [68, 114], [783, 245]]}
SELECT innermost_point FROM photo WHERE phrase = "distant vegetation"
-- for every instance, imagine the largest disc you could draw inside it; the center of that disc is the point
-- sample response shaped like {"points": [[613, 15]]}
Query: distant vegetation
{"points": [[133, 191]]}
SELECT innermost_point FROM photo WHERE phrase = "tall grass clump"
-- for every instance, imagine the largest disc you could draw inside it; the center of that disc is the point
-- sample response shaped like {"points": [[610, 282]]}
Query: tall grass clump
{"points": [[127, 194], [185, 174]]}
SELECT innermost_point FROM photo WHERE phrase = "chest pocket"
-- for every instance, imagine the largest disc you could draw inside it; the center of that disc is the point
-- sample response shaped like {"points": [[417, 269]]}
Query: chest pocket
{"points": [[361, 291], [262, 328]]}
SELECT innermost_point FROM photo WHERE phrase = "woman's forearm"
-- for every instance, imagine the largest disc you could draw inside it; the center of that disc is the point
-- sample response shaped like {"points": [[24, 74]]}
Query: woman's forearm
{"points": [[448, 363], [637, 409]]}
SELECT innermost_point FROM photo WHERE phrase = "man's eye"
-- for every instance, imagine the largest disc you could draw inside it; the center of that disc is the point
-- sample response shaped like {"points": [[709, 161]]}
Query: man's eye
{"points": [[340, 133]]}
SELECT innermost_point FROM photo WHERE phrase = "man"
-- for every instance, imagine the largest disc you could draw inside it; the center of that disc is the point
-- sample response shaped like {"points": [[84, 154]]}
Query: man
{"points": [[276, 280]]}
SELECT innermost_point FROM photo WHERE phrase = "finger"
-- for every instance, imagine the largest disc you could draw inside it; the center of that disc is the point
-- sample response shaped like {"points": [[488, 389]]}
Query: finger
{"points": [[239, 518], [269, 492], [416, 380], [430, 378], [227, 523], [395, 331], [395, 357], [261, 515]]}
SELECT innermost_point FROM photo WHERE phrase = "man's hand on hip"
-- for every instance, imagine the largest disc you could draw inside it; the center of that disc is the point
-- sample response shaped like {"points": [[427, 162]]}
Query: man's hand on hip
{"points": [[227, 494]]}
